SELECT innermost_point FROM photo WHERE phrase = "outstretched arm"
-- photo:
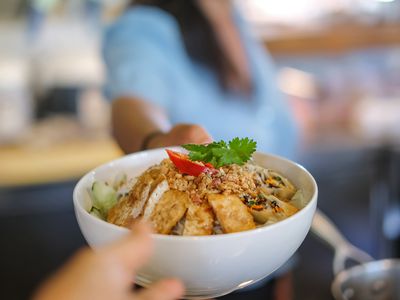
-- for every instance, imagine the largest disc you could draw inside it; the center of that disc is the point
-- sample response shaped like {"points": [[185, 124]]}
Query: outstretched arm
{"points": [[135, 120]]}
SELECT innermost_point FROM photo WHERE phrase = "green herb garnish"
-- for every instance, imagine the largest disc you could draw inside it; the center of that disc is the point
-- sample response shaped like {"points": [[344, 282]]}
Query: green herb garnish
{"points": [[237, 151]]}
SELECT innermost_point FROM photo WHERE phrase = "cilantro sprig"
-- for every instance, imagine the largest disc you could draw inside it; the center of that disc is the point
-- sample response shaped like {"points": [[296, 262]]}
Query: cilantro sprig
{"points": [[237, 151]]}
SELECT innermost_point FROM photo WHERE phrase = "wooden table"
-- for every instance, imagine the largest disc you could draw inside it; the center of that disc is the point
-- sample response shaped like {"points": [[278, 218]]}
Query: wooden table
{"points": [[27, 165]]}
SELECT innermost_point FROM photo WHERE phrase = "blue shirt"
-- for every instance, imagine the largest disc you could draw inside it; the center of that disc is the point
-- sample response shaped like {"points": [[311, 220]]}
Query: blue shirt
{"points": [[146, 58]]}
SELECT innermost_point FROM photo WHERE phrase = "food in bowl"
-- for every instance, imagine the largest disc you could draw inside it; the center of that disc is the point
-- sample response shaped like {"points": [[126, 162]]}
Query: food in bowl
{"points": [[214, 189], [208, 265]]}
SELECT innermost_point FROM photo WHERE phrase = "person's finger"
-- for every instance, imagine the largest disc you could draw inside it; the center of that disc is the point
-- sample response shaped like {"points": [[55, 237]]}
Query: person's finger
{"points": [[206, 138], [200, 135], [203, 136], [133, 250], [166, 289], [197, 134]]}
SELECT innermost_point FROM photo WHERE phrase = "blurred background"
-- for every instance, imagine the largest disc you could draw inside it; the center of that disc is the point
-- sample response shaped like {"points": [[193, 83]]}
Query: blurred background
{"points": [[339, 65]]}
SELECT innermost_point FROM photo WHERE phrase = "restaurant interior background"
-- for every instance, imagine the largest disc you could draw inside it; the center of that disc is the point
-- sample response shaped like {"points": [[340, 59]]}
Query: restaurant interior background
{"points": [[339, 65]]}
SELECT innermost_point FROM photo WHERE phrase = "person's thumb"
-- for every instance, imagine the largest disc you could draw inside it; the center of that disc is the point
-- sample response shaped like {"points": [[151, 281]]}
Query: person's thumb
{"points": [[135, 249]]}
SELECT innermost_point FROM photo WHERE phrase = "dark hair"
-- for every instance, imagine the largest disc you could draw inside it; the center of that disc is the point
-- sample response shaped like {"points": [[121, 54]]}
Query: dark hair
{"points": [[198, 35]]}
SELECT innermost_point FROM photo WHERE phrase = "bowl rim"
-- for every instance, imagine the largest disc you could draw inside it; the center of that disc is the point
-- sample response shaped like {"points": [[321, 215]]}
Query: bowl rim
{"points": [[78, 207]]}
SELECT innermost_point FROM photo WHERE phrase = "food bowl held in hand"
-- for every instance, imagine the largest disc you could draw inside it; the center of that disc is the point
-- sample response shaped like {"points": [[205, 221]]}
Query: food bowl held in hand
{"points": [[212, 265]]}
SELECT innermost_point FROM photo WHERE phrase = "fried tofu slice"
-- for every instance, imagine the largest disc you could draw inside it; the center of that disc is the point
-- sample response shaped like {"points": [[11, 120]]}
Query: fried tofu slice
{"points": [[199, 219], [274, 210], [231, 212], [131, 206], [169, 210], [154, 198]]}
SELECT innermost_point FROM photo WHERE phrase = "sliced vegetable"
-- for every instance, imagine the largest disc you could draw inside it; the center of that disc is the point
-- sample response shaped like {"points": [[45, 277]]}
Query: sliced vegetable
{"points": [[119, 181], [186, 166], [97, 213], [104, 197]]}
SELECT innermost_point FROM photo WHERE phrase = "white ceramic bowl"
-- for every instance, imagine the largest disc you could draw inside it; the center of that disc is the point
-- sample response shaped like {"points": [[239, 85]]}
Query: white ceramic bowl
{"points": [[209, 266]]}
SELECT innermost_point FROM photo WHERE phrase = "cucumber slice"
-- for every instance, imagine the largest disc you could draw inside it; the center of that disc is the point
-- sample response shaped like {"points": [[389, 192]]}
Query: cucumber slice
{"points": [[97, 213], [119, 181], [104, 197]]}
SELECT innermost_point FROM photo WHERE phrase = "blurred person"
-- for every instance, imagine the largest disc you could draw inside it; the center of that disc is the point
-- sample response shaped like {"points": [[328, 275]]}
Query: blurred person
{"points": [[178, 71], [108, 273], [189, 71]]}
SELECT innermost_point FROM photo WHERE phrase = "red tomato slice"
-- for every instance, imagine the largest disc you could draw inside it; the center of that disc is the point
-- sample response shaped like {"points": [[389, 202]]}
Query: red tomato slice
{"points": [[186, 166]]}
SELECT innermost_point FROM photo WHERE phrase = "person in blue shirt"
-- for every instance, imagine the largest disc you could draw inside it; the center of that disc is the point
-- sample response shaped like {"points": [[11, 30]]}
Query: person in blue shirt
{"points": [[189, 71]]}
